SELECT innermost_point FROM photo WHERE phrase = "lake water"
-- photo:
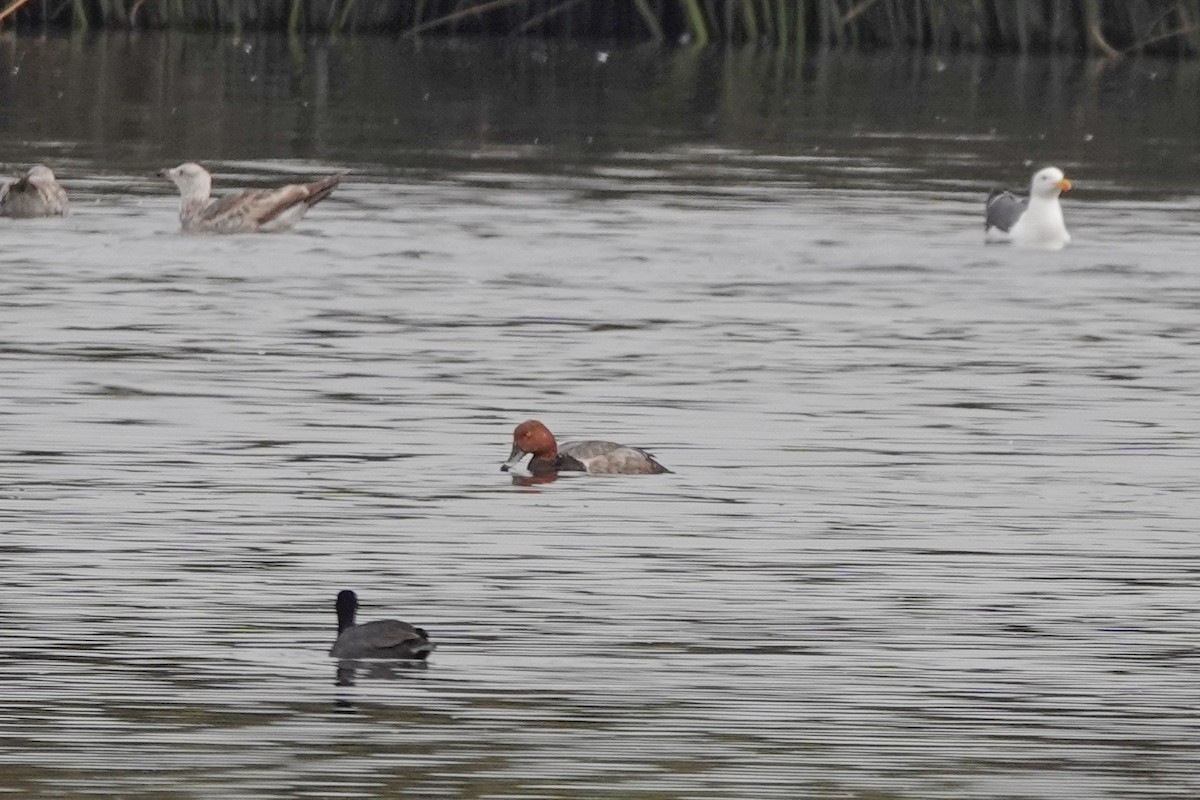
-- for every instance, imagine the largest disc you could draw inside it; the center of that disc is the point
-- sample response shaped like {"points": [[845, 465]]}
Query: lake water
{"points": [[932, 527]]}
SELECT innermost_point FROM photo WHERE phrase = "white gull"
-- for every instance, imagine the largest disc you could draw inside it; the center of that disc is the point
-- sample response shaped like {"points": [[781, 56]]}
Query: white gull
{"points": [[1036, 223]]}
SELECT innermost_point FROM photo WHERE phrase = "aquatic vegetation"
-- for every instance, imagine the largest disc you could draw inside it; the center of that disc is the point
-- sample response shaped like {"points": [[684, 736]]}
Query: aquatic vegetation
{"points": [[1106, 27]]}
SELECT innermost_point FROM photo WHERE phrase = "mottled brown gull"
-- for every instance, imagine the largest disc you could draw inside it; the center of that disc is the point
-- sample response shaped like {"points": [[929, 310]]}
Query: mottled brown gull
{"points": [[1037, 223], [261, 210], [36, 194]]}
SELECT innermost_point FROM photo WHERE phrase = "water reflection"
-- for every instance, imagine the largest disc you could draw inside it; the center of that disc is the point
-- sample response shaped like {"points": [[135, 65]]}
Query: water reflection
{"points": [[134, 99], [529, 479], [349, 671]]}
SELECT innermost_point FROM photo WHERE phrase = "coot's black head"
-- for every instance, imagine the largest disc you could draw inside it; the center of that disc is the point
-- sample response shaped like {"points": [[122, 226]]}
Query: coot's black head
{"points": [[347, 605]]}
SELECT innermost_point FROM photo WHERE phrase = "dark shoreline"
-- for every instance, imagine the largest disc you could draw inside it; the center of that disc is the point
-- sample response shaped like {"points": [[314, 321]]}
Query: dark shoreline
{"points": [[1111, 28]]}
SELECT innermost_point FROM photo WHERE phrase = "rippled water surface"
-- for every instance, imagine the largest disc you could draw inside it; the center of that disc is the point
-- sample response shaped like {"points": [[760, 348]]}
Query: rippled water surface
{"points": [[932, 527]]}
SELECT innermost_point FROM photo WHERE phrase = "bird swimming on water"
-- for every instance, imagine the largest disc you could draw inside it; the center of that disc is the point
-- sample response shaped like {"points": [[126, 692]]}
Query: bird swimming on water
{"points": [[37, 193], [382, 638], [1036, 223], [249, 211], [532, 437]]}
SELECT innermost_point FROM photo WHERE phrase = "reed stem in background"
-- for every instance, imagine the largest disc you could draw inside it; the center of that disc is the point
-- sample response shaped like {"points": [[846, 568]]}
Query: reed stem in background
{"points": [[696, 24], [1112, 28], [649, 19]]}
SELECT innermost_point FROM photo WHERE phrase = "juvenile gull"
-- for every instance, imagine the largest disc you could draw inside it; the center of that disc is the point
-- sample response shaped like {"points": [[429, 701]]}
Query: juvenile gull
{"points": [[1036, 223], [262, 210], [382, 638], [36, 194]]}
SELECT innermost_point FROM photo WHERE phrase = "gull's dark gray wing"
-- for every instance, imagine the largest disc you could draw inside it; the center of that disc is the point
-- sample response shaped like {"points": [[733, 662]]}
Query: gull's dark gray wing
{"points": [[1003, 210]]}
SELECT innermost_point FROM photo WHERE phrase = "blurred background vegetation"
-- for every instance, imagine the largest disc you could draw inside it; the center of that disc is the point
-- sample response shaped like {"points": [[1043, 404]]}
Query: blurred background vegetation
{"points": [[1107, 27]]}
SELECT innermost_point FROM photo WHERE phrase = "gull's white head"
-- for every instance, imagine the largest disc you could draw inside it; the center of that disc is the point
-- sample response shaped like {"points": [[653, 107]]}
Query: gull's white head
{"points": [[41, 174], [192, 179], [1049, 182]]}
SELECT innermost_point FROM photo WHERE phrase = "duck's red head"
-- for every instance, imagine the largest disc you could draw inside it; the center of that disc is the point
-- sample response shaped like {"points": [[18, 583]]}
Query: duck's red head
{"points": [[533, 437]]}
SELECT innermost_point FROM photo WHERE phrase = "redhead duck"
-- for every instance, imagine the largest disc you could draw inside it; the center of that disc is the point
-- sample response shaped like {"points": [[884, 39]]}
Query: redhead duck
{"points": [[383, 638], [1038, 223], [550, 457]]}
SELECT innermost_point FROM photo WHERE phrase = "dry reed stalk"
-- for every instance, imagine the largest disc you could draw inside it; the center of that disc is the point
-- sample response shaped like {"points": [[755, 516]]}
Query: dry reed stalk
{"points": [[12, 9], [553, 11], [470, 11]]}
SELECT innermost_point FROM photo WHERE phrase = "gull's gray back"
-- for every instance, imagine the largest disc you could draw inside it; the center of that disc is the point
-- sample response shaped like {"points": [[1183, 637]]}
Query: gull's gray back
{"points": [[1003, 210]]}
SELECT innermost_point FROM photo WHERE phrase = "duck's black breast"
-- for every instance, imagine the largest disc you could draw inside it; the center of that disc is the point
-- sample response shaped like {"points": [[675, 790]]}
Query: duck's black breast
{"points": [[562, 463], [568, 463]]}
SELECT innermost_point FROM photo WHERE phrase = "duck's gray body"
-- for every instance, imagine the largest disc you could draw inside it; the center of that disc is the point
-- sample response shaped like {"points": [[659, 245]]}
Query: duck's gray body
{"points": [[610, 458]]}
